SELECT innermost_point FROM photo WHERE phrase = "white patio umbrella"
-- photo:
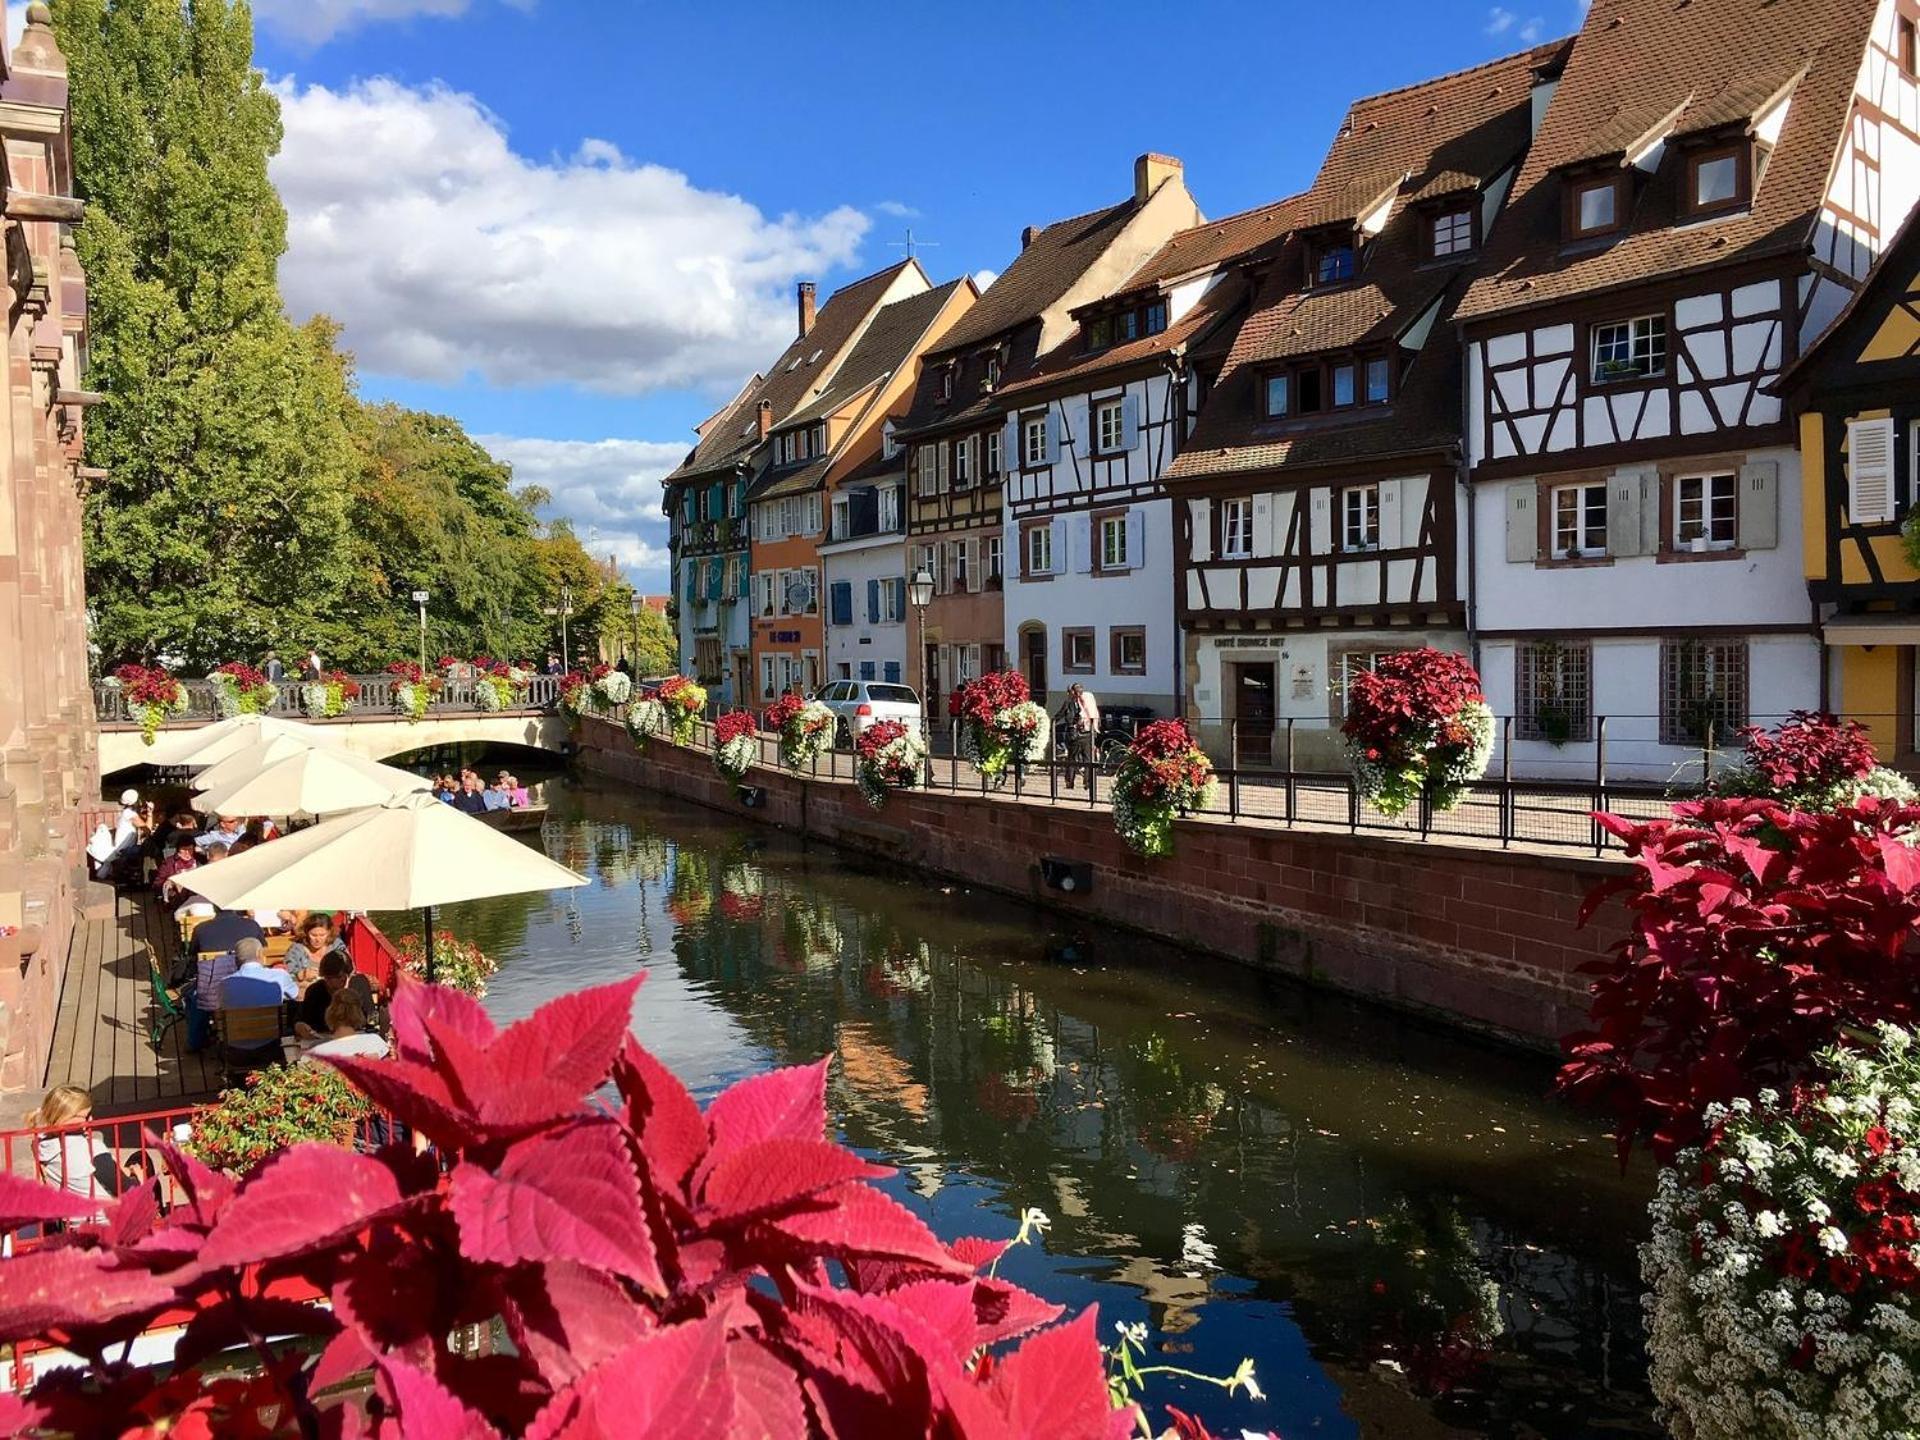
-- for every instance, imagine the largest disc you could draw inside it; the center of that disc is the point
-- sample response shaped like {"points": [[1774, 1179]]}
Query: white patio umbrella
{"points": [[305, 782], [411, 852], [251, 759], [196, 749]]}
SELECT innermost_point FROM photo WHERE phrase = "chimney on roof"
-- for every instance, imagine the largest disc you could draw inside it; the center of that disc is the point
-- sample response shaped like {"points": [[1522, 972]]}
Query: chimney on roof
{"points": [[805, 289], [1150, 170], [765, 412], [1028, 235]]}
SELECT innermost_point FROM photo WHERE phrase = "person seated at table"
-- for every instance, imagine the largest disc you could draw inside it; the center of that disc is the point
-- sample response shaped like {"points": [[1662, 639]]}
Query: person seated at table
{"points": [[471, 799], [261, 828], [347, 1032], [225, 931], [253, 965], [79, 1161], [313, 941], [337, 978], [166, 879], [226, 831]]}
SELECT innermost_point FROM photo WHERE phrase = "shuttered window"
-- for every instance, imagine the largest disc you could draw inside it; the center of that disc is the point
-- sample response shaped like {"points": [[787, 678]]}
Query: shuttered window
{"points": [[1870, 472]]}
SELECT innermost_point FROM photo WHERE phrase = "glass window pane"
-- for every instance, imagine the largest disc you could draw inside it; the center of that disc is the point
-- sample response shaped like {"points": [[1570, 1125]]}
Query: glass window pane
{"points": [[1376, 381], [1716, 181], [1276, 395], [1343, 384], [1596, 206]]}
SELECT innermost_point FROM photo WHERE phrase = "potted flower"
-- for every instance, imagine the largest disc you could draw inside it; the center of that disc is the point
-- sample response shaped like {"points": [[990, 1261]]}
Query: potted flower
{"points": [[684, 700], [242, 690], [1812, 762], [152, 694], [888, 756], [645, 716], [999, 723], [735, 744], [325, 699], [612, 686], [1165, 773], [279, 1107], [459, 964], [413, 689], [494, 684], [1417, 723], [805, 728], [1782, 1271]]}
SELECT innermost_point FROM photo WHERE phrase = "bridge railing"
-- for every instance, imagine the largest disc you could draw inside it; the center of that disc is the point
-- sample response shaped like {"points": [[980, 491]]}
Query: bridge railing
{"points": [[455, 697]]}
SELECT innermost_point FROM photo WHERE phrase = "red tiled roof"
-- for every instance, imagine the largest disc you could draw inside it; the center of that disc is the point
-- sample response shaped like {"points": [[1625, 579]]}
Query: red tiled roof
{"points": [[1040, 274], [1707, 63]]}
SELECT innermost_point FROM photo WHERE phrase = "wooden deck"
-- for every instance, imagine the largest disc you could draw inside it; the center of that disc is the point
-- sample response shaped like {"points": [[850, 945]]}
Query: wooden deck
{"points": [[100, 1036]]}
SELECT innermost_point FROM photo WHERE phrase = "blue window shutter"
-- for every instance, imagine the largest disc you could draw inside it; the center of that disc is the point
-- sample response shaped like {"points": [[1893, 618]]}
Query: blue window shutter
{"points": [[1130, 419], [746, 578], [716, 580], [866, 669], [716, 500], [693, 580], [1053, 437], [893, 672], [873, 602], [842, 602]]}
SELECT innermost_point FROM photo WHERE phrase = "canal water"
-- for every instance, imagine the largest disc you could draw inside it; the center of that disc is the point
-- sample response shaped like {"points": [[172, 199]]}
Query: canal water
{"points": [[1404, 1236]]}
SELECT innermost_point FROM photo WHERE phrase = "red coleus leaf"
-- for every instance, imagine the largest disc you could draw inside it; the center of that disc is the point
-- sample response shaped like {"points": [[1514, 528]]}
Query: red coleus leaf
{"points": [[1054, 1387], [412, 1093], [789, 1103], [672, 1132], [62, 1287], [567, 1318], [975, 1252], [674, 1385], [571, 1194], [418, 1010], [860, 1222], [428, 1408], [27, 1202], [535, 1071], [770, 1175], [767, 1401], [300, 1201]]}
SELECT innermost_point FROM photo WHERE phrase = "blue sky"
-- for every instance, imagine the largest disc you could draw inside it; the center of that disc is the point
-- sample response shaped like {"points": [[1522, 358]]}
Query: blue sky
{"points": [[576, 224]]}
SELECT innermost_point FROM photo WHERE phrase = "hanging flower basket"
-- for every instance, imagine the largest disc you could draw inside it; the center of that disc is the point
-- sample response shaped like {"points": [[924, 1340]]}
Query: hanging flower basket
{"points": [[646, 717], [413, 690], [324, 699], [1164, 775], [152, 695], [242, 690], [1812, 762], [1781, 1270], [684, 701], [612, 686], [581, 692], [805, 728], [889, 756], [496, 685], [735, 745], [1417, 724], [458, 964], [999, 723], [275, 1109]]}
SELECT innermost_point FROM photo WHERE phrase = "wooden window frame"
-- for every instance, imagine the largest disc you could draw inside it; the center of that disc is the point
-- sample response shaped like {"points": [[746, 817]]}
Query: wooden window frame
{"points": [[1430, 222], [1115, 636], [1677, 729], [1573, 186], [1671, 479], [1346, 546], [1906, 42], [1551, 513], [1071, 633], [1590, 337], [1323, 246], [963, 447], [991, 461], [1573, 689], [1148, 313], [1266, 397], [1220, 525], [993, 563], [1741, 152], [1095, 407], [1096, 522], [1027, 527], [1030, 418]]}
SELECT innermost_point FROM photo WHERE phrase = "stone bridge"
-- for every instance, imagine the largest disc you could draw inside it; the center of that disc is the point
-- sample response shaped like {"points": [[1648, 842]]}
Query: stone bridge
{"points": [[373, 728]]}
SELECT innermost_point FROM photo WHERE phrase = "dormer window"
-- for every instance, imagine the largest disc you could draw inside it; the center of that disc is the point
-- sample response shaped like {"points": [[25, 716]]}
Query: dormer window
{"points": [[945, 383], [1595, 205], [1339, 382], [993, 371], [1332, 261], [1718, 179], [1279, 395], [1450, 232], [1154, 318]]}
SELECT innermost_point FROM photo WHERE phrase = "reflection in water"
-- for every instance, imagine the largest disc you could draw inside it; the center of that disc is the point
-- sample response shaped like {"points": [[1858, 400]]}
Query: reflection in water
{"points": [[1407, 1240]]}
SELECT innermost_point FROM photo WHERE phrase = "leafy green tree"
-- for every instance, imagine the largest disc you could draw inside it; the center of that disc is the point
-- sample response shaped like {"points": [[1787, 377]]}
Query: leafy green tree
{"points": [[223, 525]]}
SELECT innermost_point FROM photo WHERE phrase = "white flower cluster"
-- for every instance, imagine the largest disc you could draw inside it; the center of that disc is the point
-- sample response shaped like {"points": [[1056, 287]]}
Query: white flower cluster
{"points": [[736, 756], [231, 700], [1763, 1321], [900, 764], [614, 687], [645, 716], [806, 736], [1390, 790], [412, 700], [1019, 737]]}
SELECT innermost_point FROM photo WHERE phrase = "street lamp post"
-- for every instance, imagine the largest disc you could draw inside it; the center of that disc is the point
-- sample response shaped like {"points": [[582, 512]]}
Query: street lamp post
{"points": [[566, 609], [634, 603], [420, 601], [920, 593]]}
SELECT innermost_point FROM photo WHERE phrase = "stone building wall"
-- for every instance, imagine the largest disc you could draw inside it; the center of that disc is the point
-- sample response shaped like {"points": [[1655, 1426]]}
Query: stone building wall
{"points": [[49, 776], [1479, 938]]}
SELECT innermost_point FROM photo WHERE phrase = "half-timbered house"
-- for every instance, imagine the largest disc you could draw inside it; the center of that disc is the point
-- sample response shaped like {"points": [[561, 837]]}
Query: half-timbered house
{"points": [[1317, 507], [1856, 393], [955, 431], [706, 496], [1092, 426], [1709, 183]]}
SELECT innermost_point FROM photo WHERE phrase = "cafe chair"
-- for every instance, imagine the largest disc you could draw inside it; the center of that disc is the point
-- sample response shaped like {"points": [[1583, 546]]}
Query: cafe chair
{"points": [[169, 1005], [251, 1038]]}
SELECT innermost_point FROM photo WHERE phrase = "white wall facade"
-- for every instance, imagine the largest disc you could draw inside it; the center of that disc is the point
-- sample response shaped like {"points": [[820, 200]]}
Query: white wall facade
{"points": [[880, 643]]}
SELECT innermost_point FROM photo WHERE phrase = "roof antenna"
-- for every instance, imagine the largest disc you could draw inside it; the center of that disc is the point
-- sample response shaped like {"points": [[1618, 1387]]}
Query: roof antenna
{"points": [[911, 245]]}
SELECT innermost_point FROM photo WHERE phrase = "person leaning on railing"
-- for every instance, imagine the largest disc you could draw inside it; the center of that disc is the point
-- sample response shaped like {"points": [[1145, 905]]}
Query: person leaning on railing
{"points": [[79, 1161]]}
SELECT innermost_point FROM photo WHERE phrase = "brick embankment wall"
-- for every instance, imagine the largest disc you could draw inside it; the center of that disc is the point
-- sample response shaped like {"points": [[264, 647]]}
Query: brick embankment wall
{"points": [[1480, 938]]}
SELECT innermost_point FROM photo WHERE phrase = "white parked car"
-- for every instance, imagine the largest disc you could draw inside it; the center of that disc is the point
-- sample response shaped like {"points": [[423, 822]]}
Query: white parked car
{"points": [[856, 704]]}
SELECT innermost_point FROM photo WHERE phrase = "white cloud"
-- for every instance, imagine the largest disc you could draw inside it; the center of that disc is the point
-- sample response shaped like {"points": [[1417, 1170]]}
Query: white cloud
{"points": [[983, 278], [609, 489], [1527, 31], [899, 209], [314, 22], [446, 254], [1500, 21]]}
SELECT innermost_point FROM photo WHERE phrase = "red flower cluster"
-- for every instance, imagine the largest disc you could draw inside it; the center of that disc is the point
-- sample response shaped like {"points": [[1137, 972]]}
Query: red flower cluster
{"points": [[659, 1270], [1760, 935], [1810, 751], [349, 687], [674, 692], [244, 675], [980, 700], [408, 672], [148, 685], [734, 725], [1880, 1216], [1168, 761], [1407, 697], [783, 710], [874, 739], [447, 662]]}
